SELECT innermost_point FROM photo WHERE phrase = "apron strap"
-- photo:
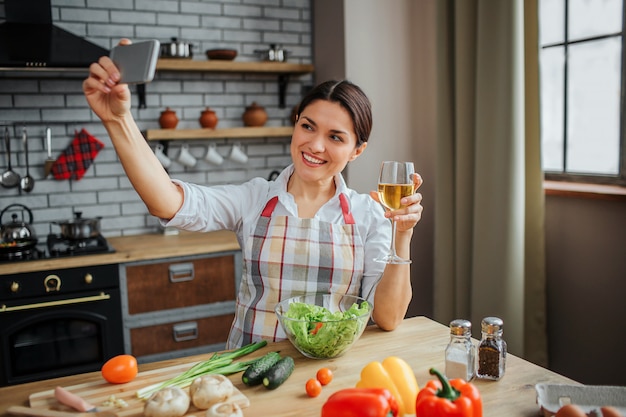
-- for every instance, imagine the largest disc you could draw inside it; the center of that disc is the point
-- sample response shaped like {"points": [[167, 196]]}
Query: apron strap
{"points": [[343, 200], [345, 208], [269, 207]]}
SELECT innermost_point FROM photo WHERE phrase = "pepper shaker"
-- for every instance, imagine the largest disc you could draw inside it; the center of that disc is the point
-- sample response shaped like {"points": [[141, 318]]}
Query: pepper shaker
{"points": [[491, 350], [460, 352]]}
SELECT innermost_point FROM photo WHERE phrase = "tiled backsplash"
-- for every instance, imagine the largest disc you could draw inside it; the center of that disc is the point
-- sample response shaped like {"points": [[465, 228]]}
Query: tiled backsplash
{"points": [[37, 101]]}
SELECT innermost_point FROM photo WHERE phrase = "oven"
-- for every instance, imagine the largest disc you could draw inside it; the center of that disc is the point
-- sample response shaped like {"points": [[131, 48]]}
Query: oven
{"points": [[59, 323]]}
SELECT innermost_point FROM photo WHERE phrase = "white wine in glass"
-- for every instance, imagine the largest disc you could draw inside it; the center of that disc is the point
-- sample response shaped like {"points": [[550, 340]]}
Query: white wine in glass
{"points": [[394, 183]]}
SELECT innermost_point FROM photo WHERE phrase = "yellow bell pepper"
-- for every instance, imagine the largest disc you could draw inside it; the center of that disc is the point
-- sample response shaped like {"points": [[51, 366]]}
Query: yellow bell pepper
{"points": [[395, 375]]}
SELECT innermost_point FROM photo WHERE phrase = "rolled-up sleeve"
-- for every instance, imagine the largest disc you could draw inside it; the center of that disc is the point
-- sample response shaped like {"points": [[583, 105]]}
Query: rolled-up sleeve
{"points": [[207, 209]]}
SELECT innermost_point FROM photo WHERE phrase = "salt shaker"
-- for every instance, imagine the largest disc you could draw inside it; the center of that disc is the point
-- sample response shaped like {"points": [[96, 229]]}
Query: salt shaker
{"points": [[491, 350], [460, 352]]}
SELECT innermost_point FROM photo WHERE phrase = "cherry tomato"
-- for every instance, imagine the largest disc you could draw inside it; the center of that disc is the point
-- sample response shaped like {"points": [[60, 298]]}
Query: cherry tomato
{"points": [[313, 387], [324, 376], [120, 369]]}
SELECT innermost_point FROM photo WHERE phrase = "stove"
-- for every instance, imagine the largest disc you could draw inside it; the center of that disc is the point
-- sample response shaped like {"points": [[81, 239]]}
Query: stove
{"points": [[26, 254], [59, 246]]}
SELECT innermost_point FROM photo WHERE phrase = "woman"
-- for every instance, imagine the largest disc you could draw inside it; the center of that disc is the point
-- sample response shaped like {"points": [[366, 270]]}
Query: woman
{"points": [[304, 232]]}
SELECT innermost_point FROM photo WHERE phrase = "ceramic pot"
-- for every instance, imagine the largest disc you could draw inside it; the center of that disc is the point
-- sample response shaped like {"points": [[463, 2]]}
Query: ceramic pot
{"points": [[168, 119], [254, 116], [208, 118]]}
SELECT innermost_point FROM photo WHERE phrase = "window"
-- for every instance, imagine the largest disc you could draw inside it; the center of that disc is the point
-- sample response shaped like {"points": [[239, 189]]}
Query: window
{"points": [[582, 90]]}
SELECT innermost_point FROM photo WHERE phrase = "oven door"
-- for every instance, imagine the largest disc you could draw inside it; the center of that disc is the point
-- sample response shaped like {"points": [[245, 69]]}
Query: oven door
{"points": [[63, 336]]}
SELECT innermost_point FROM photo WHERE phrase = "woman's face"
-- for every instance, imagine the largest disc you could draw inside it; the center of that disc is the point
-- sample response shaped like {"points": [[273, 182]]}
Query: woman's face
{"points": [[323, 141]]}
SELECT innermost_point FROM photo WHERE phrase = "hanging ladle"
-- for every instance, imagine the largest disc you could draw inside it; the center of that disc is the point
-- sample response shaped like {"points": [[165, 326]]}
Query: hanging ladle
{"points": [[9, 177], [27, 183]]}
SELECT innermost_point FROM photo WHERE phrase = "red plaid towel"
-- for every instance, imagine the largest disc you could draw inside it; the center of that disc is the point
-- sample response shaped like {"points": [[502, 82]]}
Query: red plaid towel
{"points": [[77, 157]]}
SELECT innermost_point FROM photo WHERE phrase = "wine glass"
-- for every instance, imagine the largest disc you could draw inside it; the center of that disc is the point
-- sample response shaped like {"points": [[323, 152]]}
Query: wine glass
{"points": [[394, 183]]}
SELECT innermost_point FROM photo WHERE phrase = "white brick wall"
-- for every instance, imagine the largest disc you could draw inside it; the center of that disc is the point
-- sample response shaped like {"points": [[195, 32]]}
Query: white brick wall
{"points": [[37, 101]]}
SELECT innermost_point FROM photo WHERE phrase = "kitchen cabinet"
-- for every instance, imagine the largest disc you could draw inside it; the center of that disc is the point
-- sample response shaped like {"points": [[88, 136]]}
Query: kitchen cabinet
{"points": [[178, 306]]}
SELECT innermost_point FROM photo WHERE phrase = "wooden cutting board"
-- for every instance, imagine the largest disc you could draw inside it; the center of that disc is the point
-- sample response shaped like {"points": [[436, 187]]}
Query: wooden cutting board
{"points": [[98, 392]]}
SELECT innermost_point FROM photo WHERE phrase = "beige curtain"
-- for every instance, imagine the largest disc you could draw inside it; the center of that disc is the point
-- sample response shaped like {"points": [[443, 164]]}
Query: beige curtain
{"points": [[489, 247]]}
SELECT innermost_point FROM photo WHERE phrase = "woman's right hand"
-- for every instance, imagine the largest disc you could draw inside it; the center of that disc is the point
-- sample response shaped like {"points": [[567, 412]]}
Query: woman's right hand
{"points": [[106, 97]]}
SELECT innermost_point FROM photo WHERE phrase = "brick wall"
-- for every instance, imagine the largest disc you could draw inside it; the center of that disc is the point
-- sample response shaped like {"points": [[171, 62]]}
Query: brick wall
{"points": [[38, 100]]}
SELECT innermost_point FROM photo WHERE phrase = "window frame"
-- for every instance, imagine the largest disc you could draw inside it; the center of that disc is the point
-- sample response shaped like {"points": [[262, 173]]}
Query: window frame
{"points": [[620, 178]]}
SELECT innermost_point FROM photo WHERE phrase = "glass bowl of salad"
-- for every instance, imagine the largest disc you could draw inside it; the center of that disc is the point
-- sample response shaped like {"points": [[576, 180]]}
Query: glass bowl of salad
{"points": [[323, 326]]}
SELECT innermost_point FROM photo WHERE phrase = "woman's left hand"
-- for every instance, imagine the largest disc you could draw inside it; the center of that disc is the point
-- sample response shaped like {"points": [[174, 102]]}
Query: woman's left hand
{"points": [[409, 215]]}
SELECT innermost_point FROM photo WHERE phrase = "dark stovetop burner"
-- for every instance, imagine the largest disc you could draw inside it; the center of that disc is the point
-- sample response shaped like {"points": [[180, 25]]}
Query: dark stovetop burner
{"points": [[59, 246], [29, 254]]}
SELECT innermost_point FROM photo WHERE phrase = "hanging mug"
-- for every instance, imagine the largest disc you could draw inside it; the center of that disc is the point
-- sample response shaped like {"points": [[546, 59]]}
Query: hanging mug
{"points": [[185, 157], [159, 151], [213, 156], [238, 155]]}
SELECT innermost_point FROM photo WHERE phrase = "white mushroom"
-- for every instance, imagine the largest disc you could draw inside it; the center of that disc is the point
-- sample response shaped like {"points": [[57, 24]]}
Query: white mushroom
{"points": [[210, 389], [224, 410], [167, 402]]}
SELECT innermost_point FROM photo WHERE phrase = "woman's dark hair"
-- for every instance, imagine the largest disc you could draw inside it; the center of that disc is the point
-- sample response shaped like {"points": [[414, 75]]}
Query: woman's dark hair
{"points": [[350, 97]]}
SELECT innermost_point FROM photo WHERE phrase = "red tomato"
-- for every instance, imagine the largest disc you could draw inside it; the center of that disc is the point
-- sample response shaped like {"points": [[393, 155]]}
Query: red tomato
{"points": [[324, 375], [120, 369], [313, 387]]}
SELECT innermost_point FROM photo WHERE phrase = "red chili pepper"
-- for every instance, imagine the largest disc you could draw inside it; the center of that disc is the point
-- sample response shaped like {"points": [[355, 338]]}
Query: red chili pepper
{"points": [[456, 398], [360, 402]]}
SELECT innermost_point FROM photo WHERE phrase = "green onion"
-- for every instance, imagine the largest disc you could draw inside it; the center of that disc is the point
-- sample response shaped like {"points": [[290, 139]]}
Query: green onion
{"points": [[218, 363]]}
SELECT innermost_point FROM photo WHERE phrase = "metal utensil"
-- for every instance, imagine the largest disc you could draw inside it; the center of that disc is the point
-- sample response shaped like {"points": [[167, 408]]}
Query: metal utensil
{"points": [[27, 183], [9, 177], [19, 410], [50, 161], [76, 402]]}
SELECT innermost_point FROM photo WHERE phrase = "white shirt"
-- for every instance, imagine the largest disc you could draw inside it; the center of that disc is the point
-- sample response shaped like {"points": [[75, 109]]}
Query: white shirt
{"points": [[238, 208]]}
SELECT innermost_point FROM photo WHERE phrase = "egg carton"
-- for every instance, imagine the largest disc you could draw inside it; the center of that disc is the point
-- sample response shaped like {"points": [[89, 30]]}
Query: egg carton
{"points": [[589, 398]]}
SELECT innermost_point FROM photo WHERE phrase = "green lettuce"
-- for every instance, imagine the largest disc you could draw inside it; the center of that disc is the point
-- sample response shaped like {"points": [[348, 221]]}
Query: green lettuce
{"points": [[321, 333]]}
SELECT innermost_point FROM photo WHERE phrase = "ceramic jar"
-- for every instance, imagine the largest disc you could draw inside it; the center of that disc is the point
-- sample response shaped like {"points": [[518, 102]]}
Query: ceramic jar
{"points": [[208, 118], [254, 116], [168, 119]]}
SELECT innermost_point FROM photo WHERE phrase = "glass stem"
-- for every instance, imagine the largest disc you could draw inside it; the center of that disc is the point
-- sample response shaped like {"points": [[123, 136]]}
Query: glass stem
{"points": [[393, 237]]}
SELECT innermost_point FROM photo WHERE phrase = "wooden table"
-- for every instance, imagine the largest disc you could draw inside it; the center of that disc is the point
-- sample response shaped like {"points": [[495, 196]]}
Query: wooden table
{"points": [[419, 341]]}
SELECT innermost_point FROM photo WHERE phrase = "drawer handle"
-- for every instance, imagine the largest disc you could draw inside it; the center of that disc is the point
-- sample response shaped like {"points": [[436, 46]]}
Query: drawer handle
{"points": [[185, 331], [181, 272]]}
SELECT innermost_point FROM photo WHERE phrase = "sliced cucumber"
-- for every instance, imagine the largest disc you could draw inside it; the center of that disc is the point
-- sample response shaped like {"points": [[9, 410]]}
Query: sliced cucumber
{"points": [[253, 375], [279, 373]]}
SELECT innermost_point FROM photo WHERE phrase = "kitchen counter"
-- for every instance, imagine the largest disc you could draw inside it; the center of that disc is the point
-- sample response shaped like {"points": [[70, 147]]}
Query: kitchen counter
{"points": [[136, 248], [419, 341]]}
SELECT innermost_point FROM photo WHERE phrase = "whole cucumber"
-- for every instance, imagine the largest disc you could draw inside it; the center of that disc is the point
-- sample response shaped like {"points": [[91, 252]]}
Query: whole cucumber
{"points": [[279, 373], [253, 375]]}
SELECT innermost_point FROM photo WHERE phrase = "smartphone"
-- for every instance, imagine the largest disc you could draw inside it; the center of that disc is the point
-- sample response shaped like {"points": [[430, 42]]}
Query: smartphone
{"points": [[137, 61]]}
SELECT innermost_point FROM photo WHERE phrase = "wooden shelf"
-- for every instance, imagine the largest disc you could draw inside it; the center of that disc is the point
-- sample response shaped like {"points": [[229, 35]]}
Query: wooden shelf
{"points": [[233, 66], [233, 132]]}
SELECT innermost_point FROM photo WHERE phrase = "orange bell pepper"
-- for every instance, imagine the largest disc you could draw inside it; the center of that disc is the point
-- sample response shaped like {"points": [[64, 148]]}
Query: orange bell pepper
{"points": [[448, 398], [395, 375]]}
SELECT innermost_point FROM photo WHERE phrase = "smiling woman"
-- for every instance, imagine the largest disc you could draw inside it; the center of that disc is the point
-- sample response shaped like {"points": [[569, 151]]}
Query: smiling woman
{"points": [[305, 232]]}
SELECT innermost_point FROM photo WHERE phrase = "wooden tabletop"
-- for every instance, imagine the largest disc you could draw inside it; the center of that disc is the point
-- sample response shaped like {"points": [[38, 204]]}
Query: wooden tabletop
{"points": [[135, 248], [419, 341]]}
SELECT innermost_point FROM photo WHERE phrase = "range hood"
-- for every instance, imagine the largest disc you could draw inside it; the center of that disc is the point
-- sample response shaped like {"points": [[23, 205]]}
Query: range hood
{"points": [[29, 40]]}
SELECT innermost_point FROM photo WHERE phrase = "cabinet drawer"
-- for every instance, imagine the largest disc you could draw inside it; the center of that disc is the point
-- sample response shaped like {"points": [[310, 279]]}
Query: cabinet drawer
{"points": [[170, 337], [181, 283]]}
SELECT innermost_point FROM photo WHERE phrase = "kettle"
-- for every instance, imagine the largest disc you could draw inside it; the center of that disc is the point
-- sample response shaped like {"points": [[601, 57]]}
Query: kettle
{"points": [[17, 230]]}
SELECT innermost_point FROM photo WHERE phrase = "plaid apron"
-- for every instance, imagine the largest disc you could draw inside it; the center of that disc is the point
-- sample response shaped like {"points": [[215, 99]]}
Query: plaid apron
{"points": [[288, 256]]}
